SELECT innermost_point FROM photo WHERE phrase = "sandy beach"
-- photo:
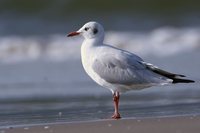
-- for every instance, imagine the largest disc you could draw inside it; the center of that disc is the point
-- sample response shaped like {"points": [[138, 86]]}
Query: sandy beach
{"points": [[180, 124]]}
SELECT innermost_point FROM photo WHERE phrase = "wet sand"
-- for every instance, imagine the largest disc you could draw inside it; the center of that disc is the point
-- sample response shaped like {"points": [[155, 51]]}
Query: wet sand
{"points": [[181, 124]]}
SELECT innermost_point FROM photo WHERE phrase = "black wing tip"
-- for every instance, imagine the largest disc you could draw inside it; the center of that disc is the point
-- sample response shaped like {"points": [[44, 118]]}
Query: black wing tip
{"points": [[176, 80], [180, 75]]}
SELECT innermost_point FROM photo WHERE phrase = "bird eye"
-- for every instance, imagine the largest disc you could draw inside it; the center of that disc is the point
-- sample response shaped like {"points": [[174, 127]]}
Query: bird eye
{"points": [[95, 31], [86, 28]]}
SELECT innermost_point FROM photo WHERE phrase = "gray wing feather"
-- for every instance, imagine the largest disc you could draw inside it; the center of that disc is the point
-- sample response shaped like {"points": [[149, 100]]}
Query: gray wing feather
{"points": [[119, 70]]}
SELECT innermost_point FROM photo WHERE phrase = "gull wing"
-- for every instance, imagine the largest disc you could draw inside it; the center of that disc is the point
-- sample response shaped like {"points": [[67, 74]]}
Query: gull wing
{"points": [[122, 68]]}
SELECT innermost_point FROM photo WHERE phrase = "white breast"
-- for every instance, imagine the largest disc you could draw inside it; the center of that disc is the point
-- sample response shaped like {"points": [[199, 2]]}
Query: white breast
{"points": [[87, 56]]}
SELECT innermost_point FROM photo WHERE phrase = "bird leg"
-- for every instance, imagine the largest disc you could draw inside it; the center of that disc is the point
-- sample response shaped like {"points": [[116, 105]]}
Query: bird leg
{"points": [[116, 114]]}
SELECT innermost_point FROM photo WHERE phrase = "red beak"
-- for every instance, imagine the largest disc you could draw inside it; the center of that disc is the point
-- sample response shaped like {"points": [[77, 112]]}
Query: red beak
{"points": [[73, 34]]}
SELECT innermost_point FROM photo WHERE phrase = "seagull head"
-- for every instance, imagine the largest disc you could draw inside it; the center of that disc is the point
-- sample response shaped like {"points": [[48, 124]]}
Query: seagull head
{"points": [[91, 30]]}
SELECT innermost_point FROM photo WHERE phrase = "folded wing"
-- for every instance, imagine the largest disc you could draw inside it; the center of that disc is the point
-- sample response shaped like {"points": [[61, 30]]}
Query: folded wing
{"points": [[125, 69]]}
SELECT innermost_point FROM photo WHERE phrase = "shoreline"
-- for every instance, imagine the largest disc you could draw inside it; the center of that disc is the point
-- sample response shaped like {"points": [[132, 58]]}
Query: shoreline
{"points": [[178, 124]]}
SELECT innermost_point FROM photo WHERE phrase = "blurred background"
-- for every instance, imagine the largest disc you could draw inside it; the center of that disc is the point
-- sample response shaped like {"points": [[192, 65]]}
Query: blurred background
{"points": [[40, 67]]}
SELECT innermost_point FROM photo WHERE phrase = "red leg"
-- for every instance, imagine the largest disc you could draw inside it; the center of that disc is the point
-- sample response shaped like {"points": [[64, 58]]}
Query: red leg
{"points": [[116, 114]]}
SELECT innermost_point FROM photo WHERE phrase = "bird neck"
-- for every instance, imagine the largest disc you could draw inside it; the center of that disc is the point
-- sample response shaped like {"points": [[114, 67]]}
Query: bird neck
{"points": [[94, 41]]}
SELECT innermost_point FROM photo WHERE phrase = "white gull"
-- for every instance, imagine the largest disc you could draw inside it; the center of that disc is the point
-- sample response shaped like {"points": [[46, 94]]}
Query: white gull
{"points": [[116, 69]]}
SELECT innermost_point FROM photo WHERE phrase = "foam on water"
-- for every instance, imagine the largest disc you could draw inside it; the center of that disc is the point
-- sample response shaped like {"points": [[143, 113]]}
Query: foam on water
{"points": [[160, 42], [164, 41]]}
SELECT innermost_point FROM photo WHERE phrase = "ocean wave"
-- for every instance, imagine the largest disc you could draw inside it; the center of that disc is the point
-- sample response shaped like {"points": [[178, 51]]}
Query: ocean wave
{"points": [[161, 42]]}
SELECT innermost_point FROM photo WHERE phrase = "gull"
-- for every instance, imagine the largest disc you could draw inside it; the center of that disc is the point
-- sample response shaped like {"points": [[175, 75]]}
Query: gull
{"points": [[116, 69]]}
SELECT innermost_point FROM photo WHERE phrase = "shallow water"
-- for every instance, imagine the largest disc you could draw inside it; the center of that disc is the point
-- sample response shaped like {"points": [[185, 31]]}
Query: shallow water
{"points": [[88, 109]]}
